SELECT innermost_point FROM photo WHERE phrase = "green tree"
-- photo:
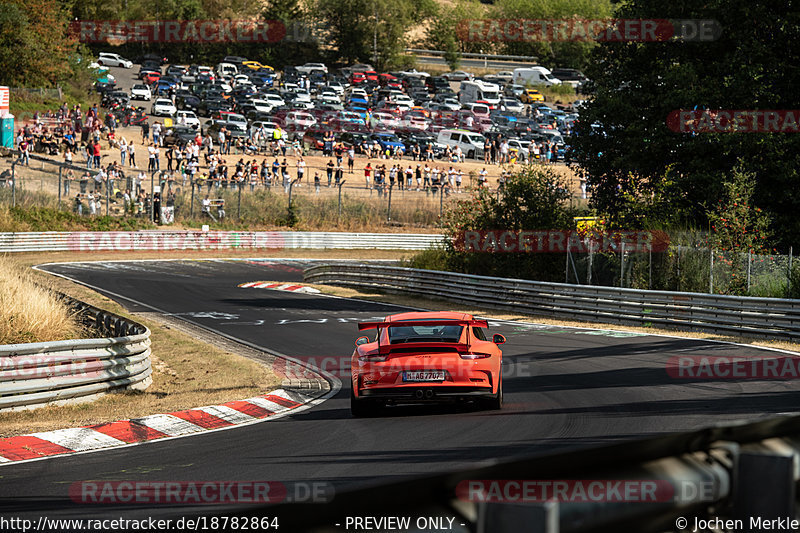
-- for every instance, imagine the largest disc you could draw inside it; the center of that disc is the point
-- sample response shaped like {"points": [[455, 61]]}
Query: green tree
{"points": [[552, 53], [534, 198], [35, 48], [355, 26], [622, 141]]}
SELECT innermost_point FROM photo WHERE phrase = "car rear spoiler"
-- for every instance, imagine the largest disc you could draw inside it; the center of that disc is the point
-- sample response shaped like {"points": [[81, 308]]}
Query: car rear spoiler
{"points": [[386, 349], [401, 323]]}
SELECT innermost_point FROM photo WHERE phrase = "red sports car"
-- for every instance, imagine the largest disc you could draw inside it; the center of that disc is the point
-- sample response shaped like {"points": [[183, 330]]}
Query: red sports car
{"points": [[426, 357]]}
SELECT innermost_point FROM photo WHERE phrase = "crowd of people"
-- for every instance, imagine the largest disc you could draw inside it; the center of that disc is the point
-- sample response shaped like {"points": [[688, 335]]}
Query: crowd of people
{"points": [[204, 161]]}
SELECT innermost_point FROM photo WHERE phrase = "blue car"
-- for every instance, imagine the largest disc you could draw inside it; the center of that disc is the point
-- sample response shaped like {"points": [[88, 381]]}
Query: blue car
{"points": [[388, 140]]}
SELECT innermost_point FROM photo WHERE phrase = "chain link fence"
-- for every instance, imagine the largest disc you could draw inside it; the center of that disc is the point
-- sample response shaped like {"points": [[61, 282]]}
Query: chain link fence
{"points": [[130, 192]]}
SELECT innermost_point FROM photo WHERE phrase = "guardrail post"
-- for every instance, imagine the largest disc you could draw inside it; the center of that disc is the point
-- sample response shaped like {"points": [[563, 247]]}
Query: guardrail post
{"points": [[765, 483], [389, 208], [566, 265], [239, 202], [14, 184], [711, 273], [622, 265], [441, 200], [60, 171], [152, 207], [515, 517], [749, 263], [191, 203], [340, 200], [789, 275]]}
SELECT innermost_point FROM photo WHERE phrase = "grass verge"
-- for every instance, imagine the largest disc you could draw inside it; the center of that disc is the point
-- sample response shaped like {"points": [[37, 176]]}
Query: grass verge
{"points": [[29, 312], [187, 373]]}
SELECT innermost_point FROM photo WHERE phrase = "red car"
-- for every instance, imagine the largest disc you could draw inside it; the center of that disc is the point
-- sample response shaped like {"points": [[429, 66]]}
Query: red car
{"points": [[151, 77], [424, 357]]}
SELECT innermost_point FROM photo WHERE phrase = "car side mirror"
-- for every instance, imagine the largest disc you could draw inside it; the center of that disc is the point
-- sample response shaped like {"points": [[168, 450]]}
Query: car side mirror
{"points": [[498, 339], [361, 340]]}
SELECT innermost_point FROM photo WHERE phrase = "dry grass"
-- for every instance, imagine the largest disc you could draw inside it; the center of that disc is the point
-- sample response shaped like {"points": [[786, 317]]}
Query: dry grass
{"points": [[187, 373], [29, 312]]}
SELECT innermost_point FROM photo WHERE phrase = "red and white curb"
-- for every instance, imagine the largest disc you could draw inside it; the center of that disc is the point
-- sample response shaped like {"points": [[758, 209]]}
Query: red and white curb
{"points": [[278, 287], [153, 427]]}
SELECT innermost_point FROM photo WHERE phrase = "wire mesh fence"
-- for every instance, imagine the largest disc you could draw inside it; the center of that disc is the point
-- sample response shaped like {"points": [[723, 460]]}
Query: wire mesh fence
{"points": [[124, 192]]}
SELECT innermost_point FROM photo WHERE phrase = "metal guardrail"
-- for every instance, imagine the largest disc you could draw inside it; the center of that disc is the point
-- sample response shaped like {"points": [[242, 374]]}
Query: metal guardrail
{"points": [[86, 241], [493, 57], [43, 372], [747, 316], [735, 471]]}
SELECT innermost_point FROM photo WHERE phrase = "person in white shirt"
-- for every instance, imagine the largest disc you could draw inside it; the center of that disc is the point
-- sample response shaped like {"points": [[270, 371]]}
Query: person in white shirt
{"points": [[123, 150], [301, 170]]}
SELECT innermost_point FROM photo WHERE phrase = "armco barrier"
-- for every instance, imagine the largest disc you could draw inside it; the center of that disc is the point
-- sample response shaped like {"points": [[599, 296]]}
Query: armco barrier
{"points": [[751, 317], [44, 372], [88, 241], [747, 473]]}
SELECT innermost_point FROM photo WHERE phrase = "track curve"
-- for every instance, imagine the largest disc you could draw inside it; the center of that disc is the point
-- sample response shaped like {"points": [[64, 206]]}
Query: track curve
{"points": [[564, 388]]}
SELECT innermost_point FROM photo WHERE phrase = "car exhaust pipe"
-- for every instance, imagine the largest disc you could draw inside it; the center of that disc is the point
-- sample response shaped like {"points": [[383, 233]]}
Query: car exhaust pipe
{"points": [[418, 394], [428, 394]]}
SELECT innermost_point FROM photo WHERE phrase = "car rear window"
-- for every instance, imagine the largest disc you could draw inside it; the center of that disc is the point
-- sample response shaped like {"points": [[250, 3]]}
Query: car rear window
{"points": [[444, 333]]}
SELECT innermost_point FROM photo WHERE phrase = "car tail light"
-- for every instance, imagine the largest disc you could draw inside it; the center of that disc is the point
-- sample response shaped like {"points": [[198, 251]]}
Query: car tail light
{"points": [[372, 358], [474, 355]]}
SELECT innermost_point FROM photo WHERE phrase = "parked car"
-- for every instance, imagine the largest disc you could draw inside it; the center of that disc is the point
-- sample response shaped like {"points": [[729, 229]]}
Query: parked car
{"points": [[187, 118], [141, 91], [113, 60], [163, 107]]}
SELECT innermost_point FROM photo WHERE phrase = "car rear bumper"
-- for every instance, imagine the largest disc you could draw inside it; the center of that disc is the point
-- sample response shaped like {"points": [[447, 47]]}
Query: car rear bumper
{"points": [[423, 393]]}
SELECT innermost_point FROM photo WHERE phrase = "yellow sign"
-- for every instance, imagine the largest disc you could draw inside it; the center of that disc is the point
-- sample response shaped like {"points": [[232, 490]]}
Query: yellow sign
{"points": [[168, 122]]}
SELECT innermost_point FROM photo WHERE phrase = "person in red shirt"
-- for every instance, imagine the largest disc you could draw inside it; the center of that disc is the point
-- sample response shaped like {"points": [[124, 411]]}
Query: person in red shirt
{"points": [[367, 173], [96, 154]]}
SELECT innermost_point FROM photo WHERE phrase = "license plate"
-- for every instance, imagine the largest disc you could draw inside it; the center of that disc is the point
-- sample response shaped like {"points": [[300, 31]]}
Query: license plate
{"points": [[424, 375]]}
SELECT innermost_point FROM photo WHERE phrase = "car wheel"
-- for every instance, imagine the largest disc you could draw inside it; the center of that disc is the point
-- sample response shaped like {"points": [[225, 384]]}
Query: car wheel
{"points": [[362, 408], [495, 403], [471, 154]]}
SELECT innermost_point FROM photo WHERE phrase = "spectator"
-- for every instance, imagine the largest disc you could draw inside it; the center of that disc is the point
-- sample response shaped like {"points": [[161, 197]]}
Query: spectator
{"points": [[132, 155], [123, 150], [367, 174], [96, 153], [351, 158]]}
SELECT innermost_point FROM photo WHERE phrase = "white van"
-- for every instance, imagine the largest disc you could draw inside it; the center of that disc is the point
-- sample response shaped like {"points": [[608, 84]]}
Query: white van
{"points": [[226, 70], [471, 143], [474, 91], [534, 76]]}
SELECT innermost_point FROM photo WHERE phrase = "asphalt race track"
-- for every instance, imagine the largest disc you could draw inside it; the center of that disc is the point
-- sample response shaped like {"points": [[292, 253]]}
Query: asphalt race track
{"points": [[564, 388]]}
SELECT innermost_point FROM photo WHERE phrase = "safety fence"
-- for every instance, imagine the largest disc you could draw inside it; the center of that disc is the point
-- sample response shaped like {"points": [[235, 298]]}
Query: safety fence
{"points": [[153, 240], [720, 314], [39, 373]]}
